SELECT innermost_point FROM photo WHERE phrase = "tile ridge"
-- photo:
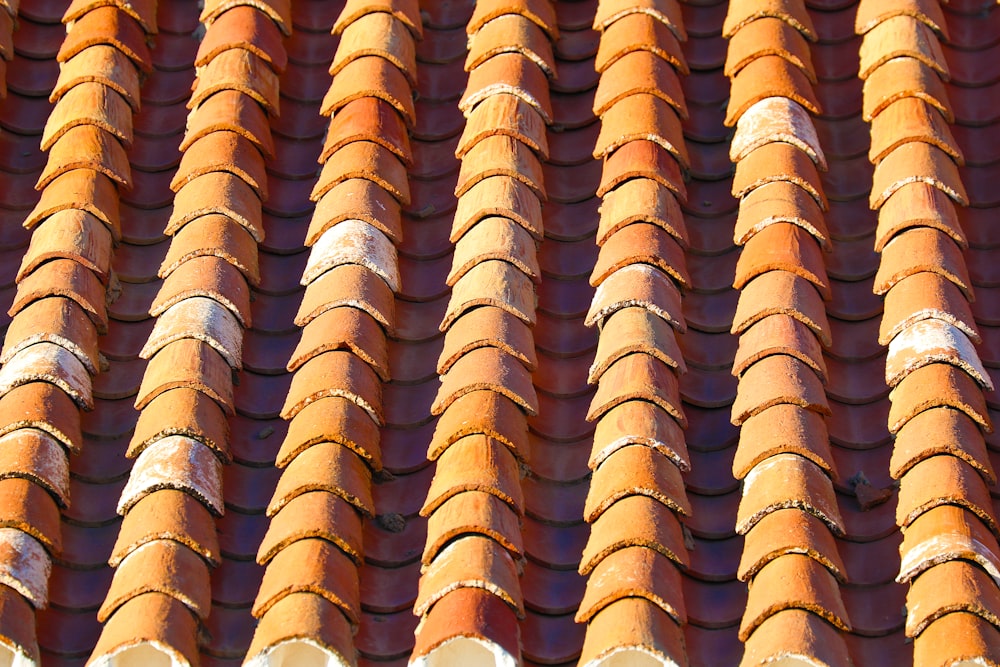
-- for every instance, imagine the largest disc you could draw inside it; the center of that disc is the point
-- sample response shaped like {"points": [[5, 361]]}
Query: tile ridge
{"points": [[783, 457], [486, 390], [639, 449], [167, 543], [335, 402], [50, 355], [938, 409]]}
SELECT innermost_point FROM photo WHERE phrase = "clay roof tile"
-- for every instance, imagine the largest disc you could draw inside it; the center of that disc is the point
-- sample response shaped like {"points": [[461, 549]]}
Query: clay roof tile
{"points": [[316, 514], [638, 376], [632, 629], [492, 283], [500, 155], [641, 243], [210, 277], [956, 636], [789, 531], [776, 119], [941, 431], [776, 162], [328, 467], [475, 463], [639, 423], [634, 572], [406, 11], [89, 104], [161, 566], [175, 462], [301, 623], [222, 151], [491, 369], [102, 64], [39, 458], [922, 296], [153, 623], [243, 27], [476, 513], [368, 160], [168, 514], [370, 76], [231, 111], [213, 235], [510, 73], [769, 76], [482, 413], [83, 189], [198, 318], [87, 147], [311, 566], [783, 429], [48, 362], [793, 582], [782, 292], [29, 508], [791, 11], [511, 33], [70, 234], [768, 36], [107, 25], [55, 320], [635, 330], [43, 406], [217, 192], [335, 373], [783, 247], [632, 471], [498, 196], [353, 242], [508, 115], [639, 32], [918, 205], [184, 412], [488, 327], [356, 199], [911, 119], [948, 587], [642, 159], [946, 533], [635, 521], [143, 11], [779, 334], [900, 78], [347, 285], [278, 10], [797, 634], [187, 362], [916, 162], [344, 329], [933, 341], [495, 238], [336, 420], [637, 285], [470, 562], [639, 72], [666, 11], [901, 36], [239, 70], [870, 14], [467, 622], [538, 11], [937, 385], [786, 481], [923, 249], [642, 116], [368, 119], [641, 200], [780, 201], [944, 480], [377, 34], [24, 566]]}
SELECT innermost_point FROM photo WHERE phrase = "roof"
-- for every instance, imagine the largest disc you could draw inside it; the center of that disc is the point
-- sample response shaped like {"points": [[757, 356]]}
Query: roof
{"points": [[499, 332]]}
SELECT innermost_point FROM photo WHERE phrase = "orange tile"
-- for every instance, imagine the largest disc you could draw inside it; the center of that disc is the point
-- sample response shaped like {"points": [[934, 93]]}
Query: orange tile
{"points": [[509, 73], [311, 566], [356, 199], [639, 72], [783, 247], [916, 162], [84, 189], [487, 368], [198, 318], [668, 13], [508, 115], [786, 481], [942, 431], [213, 235], [175, 462], [641, 200], [162, 566], [368, 119], [776, 119], [639, 32], [470, 616], [922, 296], [348, 285], [313, 515], [744, 12], [210, 277], [348, 329], [768, 36], [353, 242], [473, 513], [635, 330], [231, 111], [142, 11], [335, 373], [87, 147], [769, 76], [783, 429], [946, 533], [302, 620], [470, 562], [29, 508], [498, 196], [39, 458], [364, 159], [221, 193], [922, 250], [900, 78], [782, 292], [26, 567], [155, 622], [242, 71], [943, 480], [641, 243], [492, 283], [48, 362], [370, 77], [795, 632], [917, 205], [101, 64], [475, 463], [278, 10], [633, 628], [642, 159], [495, 238], [789, 531], [635, 471], [511, 33], [56, 320], [500, 155], [482, 413], [328, 467], [488, 327], [634, 572], [185, 412], [108, 25], [777, 162], [780, 201], [646, 117], [954, 637], [335, 420], [638, 376], [168, 514], [222, 151], [243, 27], [406, 11], [933, 386], [637, 285], [933, 341], [89, 104], [187, 363], [377, 34], [949, 587], [639, 423], [537, 11], [42, 406], [899, 37], [636, 521], [911, 119], [779, 334], [870, 14]]}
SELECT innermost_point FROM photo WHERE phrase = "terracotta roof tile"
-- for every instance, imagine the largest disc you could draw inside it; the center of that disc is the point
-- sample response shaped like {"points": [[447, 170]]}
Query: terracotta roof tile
{"points": [[787, 481], [641, 243], [955, 636], [539, 12], [470, 562], [107, 25], [83, 189], [328, 467], [637, 377], [900, 78], [475, 463], [183, 412], [347, 285], [897, 37], [946, 533], [635, 330], [476, 513], [406, 11], [488, 327], [512, 74], [237, 69], [145, 570], [632, 471], [150, 622], [948, 587], [933, 341], [58, 321], [789, 531], [87, 147], [917, 205], [634, 572], [43, 406], [377, 34], [639, 72], [492, 283], [368, 160], [916, 162], [911, 119], [642, 159], [783, 247], [213, 235], [495, 238], [29, 508], [491, 369], [222, 151], [315, 514], [89, 104], [511, 33], [870, 14], [48, 362], [792, 633], [368, 119], [481, 612], [769, 76], [814, 590], [332, 419], [943, 431], [639, 32], [776, 162], [790, 11], [641, 116], [635, 521], [482, 412], [218, 192], [921, 296], [337, 329], [938, 385], [776, 119], [202, 319], [356, 199], [502, 196], [768, 36], [668, 12], [278, 10], [39, 458], [370, 77], [639, 423], [353, 242], [26, 567], [335, 373], [922, 250], [630, 628], [210, 277], [943, 480], [243, 27], [301, 623]]}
